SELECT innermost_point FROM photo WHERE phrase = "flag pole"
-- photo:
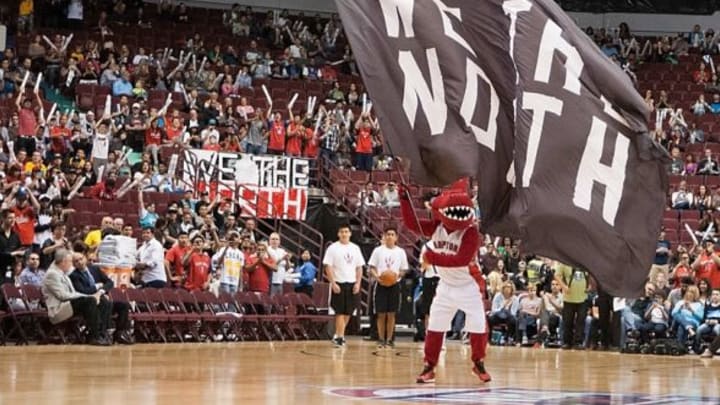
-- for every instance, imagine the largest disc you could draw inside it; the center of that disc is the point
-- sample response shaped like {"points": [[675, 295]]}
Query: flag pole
{"points": [[396, 165]]}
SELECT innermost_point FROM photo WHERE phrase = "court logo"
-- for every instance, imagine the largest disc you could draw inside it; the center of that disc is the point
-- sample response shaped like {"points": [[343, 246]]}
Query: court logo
{"points": [[515, 396]]}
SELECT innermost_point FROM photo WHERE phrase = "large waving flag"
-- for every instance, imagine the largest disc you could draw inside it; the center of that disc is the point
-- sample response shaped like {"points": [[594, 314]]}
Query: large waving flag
{"points": [[514, 94]]}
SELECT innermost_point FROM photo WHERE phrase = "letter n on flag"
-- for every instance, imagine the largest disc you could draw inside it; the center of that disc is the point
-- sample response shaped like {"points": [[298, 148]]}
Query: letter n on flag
{"points": [[515, 95]]}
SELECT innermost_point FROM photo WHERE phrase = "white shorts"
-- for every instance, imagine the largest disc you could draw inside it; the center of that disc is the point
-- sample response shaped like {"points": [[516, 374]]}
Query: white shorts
{"points": [[449, 299]]}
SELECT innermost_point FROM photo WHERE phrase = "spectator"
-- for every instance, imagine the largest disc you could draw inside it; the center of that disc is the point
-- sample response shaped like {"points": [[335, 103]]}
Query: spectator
{"points": [[715, 105], [574, 284], [151, 261], [681, 270], [701, 76], [368, 197], [701, 106], [174, 266], [551, 314], [655, 319], [706, 265], [391, 198], [260, 267], [662, 256], [25, 213], [32, 274], [676, 164], [148, 216], [528, 313], [63, 301], [228, 262], [504, 309], [197, 263], [307, 271], [364, 143], [281, 258], [682, 199], [691, 166], [55, 242], [91, 280], [26, 17], [711, 319], [687, 314]]}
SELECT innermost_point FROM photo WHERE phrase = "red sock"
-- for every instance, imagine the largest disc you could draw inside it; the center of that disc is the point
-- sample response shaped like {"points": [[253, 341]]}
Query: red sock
{"points": [[433, 346], [478, 343]]}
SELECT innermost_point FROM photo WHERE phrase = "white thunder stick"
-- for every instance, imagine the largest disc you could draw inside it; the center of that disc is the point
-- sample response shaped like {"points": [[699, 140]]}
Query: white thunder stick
{"points": [[364, 103], [124, 187], [317, 124], [66, 42], [292, 101], [691, 233], [202, 64], [165, 106], [108, 103], [101, 171], [50, 114], [172, 166], [77, 186], [70, 77], [24, 81], [130, 187], [37, 83], [267, 95], [49, 42]]}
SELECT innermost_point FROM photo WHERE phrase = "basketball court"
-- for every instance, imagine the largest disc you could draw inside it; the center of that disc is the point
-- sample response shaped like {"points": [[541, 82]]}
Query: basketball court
{"points": [[317, 373]]}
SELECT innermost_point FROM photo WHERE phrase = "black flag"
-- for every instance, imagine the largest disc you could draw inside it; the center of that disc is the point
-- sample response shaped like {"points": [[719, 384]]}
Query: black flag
{"points": [[514, 94]]}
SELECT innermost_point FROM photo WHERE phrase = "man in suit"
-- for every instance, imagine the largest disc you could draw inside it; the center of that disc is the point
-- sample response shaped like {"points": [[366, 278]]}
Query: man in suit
{"points": [[91, 280], [63, 302]]}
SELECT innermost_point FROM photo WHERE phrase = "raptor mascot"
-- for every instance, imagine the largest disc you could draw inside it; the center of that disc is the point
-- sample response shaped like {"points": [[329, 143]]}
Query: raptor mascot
{"points": [[452, 249]]}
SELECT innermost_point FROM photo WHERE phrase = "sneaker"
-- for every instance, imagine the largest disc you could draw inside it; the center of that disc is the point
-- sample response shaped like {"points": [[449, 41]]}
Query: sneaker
{"points": [[338, 341], [381, 344], [390, 343], [427, 376], [342, 341], [707, 354], [524, 340], [480, 372]]}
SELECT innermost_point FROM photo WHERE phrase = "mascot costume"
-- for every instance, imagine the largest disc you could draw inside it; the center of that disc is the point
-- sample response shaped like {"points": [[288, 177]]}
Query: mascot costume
{"points": [[452, 249]]}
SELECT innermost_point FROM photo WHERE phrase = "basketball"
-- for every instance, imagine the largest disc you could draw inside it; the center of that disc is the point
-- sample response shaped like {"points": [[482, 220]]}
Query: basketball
{"points": [[387, 278]]}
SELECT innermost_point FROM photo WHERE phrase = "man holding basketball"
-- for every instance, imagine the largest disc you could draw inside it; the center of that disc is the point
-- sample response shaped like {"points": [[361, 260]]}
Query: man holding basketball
{"points": [[388, 263]]}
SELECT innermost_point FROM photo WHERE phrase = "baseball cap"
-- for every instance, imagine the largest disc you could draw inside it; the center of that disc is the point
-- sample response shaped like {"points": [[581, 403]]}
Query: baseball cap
{"points": [[44, 197], [212, 122], [135, 105]]}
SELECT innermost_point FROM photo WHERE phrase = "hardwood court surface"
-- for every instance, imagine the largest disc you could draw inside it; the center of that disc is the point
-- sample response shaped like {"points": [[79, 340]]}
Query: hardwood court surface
{"points": [[317, 373]]}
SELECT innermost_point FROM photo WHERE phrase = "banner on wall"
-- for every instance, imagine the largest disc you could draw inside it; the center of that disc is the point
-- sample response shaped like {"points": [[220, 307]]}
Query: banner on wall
{"points": [[264, 186]]}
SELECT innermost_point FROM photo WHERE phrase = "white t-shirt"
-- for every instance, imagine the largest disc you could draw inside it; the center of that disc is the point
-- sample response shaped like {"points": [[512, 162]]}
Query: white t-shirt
{"points": [[278, 254], [344, 259], [384, 258], [101, 146], [231, 266]]}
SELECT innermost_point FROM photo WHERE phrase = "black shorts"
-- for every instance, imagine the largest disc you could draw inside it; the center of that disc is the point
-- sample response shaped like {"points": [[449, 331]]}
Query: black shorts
{"points": [[345, 302], [387, 299], [429, 285]]}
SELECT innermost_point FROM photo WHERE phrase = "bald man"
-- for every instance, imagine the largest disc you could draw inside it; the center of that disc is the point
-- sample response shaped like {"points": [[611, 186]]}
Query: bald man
{"points": [[94, 237]]}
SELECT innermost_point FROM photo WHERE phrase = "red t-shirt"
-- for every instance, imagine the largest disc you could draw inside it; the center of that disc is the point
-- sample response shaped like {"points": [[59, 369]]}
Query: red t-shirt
{"points": [[198, 271], [363, 143], [311, 148], [173, 133], [709, 270], [174, 256], [27, 123], [259, 279], [153, 136], [680, 272], [58, 135], [25, 224], [277, 136], [215, 147], [294, 142]]}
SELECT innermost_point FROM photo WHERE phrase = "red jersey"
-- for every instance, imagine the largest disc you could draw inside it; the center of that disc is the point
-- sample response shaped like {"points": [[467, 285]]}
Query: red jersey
{"points": [[294, 141], [311, 147], [363, 143], [27, 123], [153, 136], [173, 133], [25, 224], [277, 136], [259, 278], [680, 272], [212, 146], [58, 138], [709, 270], [198, 271], [174, 256]]}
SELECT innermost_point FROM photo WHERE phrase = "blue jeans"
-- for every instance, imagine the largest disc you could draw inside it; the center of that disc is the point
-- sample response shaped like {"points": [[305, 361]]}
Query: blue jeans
{"points": [[525, 320], [228, 288], [682, 329], [254, 149]]}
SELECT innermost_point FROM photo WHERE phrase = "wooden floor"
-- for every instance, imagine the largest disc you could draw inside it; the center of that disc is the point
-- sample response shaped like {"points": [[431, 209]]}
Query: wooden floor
{"points": [[317, 373]]}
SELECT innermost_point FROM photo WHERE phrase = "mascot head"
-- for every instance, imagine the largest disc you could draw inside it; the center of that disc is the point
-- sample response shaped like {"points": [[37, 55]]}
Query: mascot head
{"points": [[453, 207]]}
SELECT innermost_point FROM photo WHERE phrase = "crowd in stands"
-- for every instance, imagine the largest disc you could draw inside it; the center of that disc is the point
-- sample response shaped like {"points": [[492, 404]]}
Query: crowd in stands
{"points": [[282, 84]]}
